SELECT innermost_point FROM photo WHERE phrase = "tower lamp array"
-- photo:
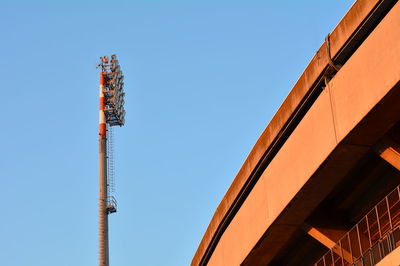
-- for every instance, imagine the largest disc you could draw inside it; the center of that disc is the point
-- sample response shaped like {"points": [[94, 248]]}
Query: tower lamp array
{"points": [[111, 113]]}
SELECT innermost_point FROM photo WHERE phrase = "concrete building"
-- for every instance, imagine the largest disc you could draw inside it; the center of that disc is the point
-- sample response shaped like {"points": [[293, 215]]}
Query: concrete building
{"points": [[320, 186]]}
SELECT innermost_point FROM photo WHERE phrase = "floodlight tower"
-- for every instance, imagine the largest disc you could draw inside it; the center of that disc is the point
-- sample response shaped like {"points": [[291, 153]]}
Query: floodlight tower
{"points": [[111, 113]]}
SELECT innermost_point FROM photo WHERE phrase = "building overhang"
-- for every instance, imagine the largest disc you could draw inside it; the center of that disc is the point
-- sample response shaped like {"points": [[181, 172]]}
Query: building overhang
{"points": [[326, 125]]}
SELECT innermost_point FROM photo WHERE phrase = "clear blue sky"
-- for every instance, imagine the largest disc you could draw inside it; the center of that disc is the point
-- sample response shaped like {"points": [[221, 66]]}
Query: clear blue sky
{"points": [[202, 79]]}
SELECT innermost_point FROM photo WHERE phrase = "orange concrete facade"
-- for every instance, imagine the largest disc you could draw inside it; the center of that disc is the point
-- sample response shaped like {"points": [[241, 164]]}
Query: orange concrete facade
{"points": [[392, 259], [329, 123]]}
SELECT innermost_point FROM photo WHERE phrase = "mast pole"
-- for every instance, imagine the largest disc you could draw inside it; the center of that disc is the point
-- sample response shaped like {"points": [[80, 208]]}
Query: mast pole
{"points": [[103, 213]]}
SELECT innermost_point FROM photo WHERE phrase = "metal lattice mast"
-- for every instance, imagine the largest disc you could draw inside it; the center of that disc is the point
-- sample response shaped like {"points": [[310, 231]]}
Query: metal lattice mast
{"points": [[111, 113]]}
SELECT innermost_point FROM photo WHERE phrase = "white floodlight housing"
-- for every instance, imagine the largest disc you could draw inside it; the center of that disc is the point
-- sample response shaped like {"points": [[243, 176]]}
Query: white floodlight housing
{"points": [[113, 65], [117, 68]]}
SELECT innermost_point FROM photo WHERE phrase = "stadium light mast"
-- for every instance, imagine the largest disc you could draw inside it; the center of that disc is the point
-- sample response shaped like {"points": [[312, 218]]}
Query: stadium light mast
{"points": [[111, 113]]}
